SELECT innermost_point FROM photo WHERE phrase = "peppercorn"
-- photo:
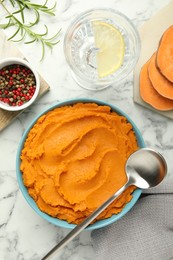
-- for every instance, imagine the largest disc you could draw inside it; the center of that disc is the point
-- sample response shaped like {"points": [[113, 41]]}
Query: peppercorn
{"points": [[17, 84]]}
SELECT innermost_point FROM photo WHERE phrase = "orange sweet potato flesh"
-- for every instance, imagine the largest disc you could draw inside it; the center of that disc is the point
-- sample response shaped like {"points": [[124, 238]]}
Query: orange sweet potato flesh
{"points": [[163, 86], [74, 159], [165, 54], [149, 94]]}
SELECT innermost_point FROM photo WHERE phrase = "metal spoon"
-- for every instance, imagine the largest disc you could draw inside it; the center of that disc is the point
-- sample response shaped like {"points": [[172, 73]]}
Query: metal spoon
{"points": [[145, 169]]}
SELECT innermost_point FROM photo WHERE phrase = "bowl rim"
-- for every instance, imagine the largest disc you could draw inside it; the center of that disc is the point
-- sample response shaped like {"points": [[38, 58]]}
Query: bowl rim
{"points": [[14, 60], [31, 202]]}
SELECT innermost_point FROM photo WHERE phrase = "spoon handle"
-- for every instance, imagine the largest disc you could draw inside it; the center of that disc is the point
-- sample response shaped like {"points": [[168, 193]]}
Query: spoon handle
{"points": [[84, 223]]}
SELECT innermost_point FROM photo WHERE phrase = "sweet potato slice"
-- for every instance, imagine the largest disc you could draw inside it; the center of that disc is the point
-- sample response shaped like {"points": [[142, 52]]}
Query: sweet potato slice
{"points": [[165, 54], [163, 86], [150, 95]]}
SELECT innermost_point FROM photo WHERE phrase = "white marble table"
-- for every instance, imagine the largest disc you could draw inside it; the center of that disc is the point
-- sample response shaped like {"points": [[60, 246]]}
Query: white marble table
{"points": [[23, 234]]}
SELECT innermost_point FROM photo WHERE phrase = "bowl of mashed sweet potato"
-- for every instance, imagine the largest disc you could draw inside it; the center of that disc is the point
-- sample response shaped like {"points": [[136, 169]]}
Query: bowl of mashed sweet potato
{"points": [[72, 158]]}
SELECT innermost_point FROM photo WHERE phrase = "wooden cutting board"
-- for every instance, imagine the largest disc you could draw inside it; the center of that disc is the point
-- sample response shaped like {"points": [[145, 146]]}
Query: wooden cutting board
{"points": [[8, 49], [150, 34]]}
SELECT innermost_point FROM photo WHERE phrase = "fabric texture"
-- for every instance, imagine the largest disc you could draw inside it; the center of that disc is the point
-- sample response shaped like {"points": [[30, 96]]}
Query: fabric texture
{"points": [[144, 233]]}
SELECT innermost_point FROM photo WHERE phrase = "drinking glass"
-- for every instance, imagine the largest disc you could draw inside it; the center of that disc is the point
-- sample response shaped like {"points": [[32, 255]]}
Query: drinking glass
{"points": [[81, 52]]}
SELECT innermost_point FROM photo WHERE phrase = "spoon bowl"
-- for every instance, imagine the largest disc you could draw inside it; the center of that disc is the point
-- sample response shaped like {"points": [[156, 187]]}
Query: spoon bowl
{"points": [[145, 168]]}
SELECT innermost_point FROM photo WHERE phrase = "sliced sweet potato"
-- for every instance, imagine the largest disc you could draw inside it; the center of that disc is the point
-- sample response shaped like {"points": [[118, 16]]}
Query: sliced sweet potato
{"points": [[165, 54], [150, 95], [163, 86]]}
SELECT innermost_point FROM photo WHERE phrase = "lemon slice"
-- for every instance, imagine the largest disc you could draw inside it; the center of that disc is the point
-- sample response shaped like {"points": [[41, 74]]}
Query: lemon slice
{"points": [[110, 44]]}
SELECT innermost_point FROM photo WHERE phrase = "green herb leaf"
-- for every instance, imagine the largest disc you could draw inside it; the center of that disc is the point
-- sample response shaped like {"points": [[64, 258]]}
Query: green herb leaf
{"points": [[20, 27]]}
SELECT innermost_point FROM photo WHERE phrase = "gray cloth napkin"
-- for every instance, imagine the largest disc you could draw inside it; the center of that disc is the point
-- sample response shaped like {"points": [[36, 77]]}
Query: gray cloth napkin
{"points": [[144, 233]]}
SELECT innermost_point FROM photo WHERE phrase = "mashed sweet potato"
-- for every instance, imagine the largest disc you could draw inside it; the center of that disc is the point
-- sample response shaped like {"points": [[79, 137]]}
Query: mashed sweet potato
{"points": [[73, 160]]}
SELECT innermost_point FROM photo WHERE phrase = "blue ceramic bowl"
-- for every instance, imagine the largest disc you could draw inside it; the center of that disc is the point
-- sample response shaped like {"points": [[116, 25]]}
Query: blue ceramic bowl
{"points": [[62, 223]]}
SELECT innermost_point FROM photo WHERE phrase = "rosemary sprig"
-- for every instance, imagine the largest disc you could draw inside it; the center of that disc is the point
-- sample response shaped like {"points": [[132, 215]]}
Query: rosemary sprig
{"points": [[25, 29], [43, 8]]}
